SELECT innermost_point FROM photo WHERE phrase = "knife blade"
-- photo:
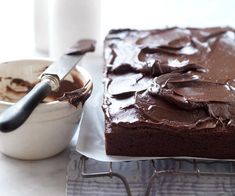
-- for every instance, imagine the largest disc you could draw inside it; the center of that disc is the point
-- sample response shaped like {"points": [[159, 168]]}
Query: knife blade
{"points": [[72, 56], [15, 115]]}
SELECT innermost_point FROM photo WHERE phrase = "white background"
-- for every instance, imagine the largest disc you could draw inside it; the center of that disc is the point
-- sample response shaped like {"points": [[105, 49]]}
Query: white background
{"points": [[17, 19]]}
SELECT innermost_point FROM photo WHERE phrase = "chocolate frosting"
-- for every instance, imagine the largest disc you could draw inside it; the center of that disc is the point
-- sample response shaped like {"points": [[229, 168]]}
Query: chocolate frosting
{"points": [[71, 89], [81, 47], [173, 78]]}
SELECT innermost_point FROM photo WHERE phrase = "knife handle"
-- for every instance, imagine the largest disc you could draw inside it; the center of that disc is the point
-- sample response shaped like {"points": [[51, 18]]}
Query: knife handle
{"points": [[15, 115]]}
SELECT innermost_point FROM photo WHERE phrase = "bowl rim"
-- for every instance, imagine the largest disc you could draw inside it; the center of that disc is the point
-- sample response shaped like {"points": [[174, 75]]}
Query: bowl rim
{"points": [[80, 69]]}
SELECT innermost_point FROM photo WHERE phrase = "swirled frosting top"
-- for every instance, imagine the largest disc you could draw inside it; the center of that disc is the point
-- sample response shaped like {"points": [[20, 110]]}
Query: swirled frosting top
{"points": [[171, 78]]}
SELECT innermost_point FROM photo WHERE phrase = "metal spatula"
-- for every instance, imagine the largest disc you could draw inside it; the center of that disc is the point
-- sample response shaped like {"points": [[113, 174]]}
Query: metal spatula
{"points": [[50, 79]]}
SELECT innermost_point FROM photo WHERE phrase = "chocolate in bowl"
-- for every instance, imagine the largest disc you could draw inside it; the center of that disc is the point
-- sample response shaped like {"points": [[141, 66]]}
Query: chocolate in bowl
{"points": [[12, 89], [51, 126]]}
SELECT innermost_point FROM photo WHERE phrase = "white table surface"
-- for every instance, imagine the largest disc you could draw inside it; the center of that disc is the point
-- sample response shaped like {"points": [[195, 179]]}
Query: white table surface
{"points": [[34, 178]]}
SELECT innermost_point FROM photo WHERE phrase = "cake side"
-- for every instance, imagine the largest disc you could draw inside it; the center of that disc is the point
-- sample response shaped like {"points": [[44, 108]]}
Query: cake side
{"points": [[170, 92]]}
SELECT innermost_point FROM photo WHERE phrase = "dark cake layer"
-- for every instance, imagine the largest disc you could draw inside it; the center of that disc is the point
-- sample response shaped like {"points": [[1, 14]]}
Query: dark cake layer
{"points": [[170, 92]]}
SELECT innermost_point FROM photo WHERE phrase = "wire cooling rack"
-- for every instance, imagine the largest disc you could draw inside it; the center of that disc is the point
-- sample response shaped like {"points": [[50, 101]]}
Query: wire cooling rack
{"points": [[156, 177]]}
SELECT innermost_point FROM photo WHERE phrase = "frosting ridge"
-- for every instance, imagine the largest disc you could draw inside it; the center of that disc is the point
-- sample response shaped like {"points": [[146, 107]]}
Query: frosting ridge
{"points": [[177, 77]]}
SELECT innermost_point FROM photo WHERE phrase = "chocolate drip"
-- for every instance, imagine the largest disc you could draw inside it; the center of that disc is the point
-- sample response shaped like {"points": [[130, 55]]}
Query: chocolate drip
{"points": [[81, 47]]}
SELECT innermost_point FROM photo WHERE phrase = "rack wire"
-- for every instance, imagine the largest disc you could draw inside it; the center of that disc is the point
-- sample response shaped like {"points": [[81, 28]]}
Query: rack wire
{"points": [[157, 173]]}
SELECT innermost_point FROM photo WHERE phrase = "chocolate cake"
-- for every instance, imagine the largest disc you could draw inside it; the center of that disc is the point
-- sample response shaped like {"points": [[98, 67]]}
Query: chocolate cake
{"points": [[170, 92]]}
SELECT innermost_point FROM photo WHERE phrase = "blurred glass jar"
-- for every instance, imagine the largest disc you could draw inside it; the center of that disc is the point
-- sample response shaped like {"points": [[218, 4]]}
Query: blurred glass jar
{"points": [[70, 21], [41, 28], [60, 23]]}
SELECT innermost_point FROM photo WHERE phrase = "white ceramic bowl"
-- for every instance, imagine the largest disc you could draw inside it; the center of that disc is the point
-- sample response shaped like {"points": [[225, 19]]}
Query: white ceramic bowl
{"points": [[50, 127]]}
